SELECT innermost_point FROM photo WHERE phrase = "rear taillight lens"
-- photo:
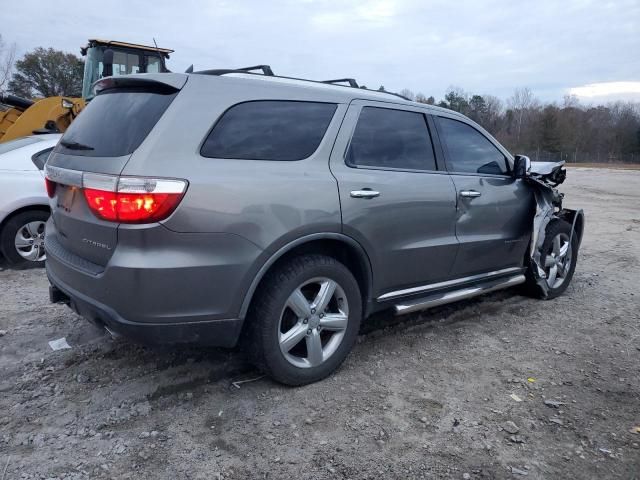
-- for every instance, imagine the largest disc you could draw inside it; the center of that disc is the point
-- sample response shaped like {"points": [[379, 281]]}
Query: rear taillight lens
{"points": [[122, 199], [131, 207], [51, 187], [132, 199]]}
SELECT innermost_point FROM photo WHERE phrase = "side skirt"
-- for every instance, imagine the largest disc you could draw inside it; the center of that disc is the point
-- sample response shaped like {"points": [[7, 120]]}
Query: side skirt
{"points": [[443, 297]]}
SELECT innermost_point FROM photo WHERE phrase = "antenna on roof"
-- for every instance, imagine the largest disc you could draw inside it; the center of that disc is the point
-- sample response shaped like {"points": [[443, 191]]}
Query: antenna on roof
{"points": [[190, 69]]}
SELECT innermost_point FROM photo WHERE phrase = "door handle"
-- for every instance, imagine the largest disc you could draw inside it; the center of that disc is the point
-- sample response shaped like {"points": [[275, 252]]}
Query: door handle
{"points": [[469, 193], [364, 193]]}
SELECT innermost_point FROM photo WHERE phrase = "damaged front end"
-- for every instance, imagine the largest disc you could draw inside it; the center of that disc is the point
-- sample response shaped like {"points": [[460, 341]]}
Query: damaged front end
{"points": [[544, 177]]}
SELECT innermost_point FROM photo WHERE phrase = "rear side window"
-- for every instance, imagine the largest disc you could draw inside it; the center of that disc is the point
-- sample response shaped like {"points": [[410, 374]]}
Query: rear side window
{"points": [[269, 130], [470, 151], [387, 138], [40, 158], [115, 122]]}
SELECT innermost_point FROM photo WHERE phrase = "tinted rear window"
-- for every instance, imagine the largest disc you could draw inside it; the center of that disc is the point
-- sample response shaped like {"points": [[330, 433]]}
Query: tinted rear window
{"points": [[269, 130], [387, 138], [115, 123]]}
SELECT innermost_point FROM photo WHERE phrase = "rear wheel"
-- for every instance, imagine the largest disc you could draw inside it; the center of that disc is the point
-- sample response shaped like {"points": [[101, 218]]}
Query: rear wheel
{"points": [[22, 239], [304, 320], [558, 258]]}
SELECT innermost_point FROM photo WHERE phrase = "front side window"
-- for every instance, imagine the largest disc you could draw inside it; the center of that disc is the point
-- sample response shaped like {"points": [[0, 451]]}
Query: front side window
{"points": [[387, 138], [469, 150], [269, 130], [125, 63]]}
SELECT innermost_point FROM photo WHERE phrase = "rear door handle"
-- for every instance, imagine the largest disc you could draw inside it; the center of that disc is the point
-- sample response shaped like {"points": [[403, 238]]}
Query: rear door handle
{"points": [[469, 193], [364, 193]]}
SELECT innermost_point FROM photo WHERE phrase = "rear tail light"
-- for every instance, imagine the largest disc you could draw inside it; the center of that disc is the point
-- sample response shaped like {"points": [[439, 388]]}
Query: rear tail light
{"points": [[132, 199], [51, 187], [127, 199]]}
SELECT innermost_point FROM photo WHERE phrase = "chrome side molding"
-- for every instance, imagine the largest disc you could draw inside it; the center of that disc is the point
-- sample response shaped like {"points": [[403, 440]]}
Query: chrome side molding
{"points": [[448, 283], [441, 298]]}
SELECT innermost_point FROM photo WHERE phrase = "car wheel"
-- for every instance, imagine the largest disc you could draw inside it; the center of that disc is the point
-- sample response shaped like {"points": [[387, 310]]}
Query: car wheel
{"points": [[22, 239], [559, 258], [304, 319]]}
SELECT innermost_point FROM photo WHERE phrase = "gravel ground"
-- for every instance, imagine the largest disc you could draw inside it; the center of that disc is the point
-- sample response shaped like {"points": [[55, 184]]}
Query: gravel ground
{"points": [[499, 387]]}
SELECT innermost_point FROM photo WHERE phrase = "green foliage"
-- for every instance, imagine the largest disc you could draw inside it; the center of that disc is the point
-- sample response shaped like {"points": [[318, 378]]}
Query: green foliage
{"points": [[47, 73]]}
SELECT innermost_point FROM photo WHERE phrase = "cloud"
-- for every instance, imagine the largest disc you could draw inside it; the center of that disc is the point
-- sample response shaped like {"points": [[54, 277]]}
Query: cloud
{"points": [[493, 46], [608, 90]]}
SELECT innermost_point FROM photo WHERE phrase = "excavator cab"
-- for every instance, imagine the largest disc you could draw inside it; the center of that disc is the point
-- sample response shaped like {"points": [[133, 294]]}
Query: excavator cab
{"points": [[105, 58]]}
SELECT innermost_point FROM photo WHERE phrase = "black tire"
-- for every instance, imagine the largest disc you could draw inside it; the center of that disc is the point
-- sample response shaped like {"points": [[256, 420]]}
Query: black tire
{"points": [[8, 236], [554, 228], [263, 324]]}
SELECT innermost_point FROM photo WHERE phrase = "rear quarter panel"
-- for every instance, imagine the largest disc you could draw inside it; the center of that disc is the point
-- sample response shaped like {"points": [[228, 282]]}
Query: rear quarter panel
{"points": [[269, 203]]}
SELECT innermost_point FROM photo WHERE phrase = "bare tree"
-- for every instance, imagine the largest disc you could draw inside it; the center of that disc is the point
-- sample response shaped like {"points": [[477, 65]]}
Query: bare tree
{"points": [[405, 92], [520, 102], [7, 57]]}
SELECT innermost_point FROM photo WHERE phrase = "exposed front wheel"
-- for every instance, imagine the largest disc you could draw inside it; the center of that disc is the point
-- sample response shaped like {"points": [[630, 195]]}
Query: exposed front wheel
{"points": [[22, 239], [304, 320], [559, 257]]}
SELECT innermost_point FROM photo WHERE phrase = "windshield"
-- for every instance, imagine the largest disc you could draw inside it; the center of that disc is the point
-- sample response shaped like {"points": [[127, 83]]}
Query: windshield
{"points": [[92, 71], [124, 63]]}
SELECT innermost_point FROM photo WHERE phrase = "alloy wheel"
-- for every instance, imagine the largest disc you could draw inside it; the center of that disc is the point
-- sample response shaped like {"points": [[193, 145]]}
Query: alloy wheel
{"points": [[313, 322], [558, 260], [29, 241]]}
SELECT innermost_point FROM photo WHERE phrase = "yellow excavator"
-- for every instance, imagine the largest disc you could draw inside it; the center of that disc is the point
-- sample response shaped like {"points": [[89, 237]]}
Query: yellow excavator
{"points": [[103, 58]]}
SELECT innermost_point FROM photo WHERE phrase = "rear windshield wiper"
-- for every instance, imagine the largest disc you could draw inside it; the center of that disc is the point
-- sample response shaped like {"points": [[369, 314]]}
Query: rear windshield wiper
{"points": [[75, 145]]}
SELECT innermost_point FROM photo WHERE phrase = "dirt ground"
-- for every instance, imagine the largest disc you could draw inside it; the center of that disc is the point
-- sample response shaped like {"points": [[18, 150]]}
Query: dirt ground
{"points": [[457, 392]]}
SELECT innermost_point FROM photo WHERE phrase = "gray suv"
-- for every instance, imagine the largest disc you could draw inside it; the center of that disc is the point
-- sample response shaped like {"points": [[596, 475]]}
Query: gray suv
{"points": [[227, 206]]}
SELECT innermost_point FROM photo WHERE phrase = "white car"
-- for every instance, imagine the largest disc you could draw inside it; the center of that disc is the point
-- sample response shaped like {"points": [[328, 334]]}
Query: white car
{"points": [[24, 205]]}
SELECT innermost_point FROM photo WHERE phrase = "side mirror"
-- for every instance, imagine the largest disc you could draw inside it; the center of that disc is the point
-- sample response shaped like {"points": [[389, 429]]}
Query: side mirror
{"points": [[521, 166]]}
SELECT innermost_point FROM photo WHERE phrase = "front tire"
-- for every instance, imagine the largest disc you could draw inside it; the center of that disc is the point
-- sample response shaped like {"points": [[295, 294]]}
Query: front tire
{"points": [[22, 239], [304, 319], [559, 259]]}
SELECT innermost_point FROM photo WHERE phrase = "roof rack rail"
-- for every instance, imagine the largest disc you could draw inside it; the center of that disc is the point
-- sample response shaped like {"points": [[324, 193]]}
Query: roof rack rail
{"points": [[351, 81], [266, 69]]}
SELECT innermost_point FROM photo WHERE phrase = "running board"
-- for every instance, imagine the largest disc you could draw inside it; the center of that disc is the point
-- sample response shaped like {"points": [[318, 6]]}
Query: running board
{"points": [[441, 298]]}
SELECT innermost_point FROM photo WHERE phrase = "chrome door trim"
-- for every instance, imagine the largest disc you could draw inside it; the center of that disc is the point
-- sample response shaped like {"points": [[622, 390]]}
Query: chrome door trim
{"points": [[448, 283], [65, 176], [443, 298]]}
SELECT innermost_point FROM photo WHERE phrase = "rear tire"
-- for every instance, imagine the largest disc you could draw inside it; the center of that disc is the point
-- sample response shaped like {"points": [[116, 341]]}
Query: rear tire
{"points": [[22, 239], [290, 339], [558, 259]]}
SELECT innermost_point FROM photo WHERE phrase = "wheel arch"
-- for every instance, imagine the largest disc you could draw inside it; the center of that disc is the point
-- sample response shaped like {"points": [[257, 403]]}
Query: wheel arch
{"points": [[338, 245], [26, 208]]}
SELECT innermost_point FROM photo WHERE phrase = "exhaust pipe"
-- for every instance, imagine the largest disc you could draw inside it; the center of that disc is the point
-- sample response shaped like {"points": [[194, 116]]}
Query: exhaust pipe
{"points": [[15, 101]]}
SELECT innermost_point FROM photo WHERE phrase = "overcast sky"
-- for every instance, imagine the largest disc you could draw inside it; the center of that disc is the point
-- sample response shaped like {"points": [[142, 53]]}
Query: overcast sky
{"points": [[487, 47]]}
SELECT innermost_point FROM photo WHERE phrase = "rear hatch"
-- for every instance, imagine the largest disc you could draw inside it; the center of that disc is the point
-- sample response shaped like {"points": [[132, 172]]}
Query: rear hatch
{"points": [[92, 154]]}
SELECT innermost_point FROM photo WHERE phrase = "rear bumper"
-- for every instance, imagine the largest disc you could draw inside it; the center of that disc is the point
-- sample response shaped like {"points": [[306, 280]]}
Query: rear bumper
{"points": [[220, 333], [159, 286]]}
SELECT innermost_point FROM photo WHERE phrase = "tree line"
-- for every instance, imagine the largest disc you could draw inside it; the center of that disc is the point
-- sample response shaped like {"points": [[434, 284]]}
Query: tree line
{"points": [[545, 131], [568, 131]]}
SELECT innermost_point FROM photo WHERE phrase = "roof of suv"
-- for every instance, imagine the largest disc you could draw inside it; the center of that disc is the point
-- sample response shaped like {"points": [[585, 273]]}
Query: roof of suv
{"points": [[348, 92], [329, 92]]}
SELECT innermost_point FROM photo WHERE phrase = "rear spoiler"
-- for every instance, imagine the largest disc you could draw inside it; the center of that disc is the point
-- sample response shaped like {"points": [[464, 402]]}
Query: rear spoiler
{"points": [[163, 82]]}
